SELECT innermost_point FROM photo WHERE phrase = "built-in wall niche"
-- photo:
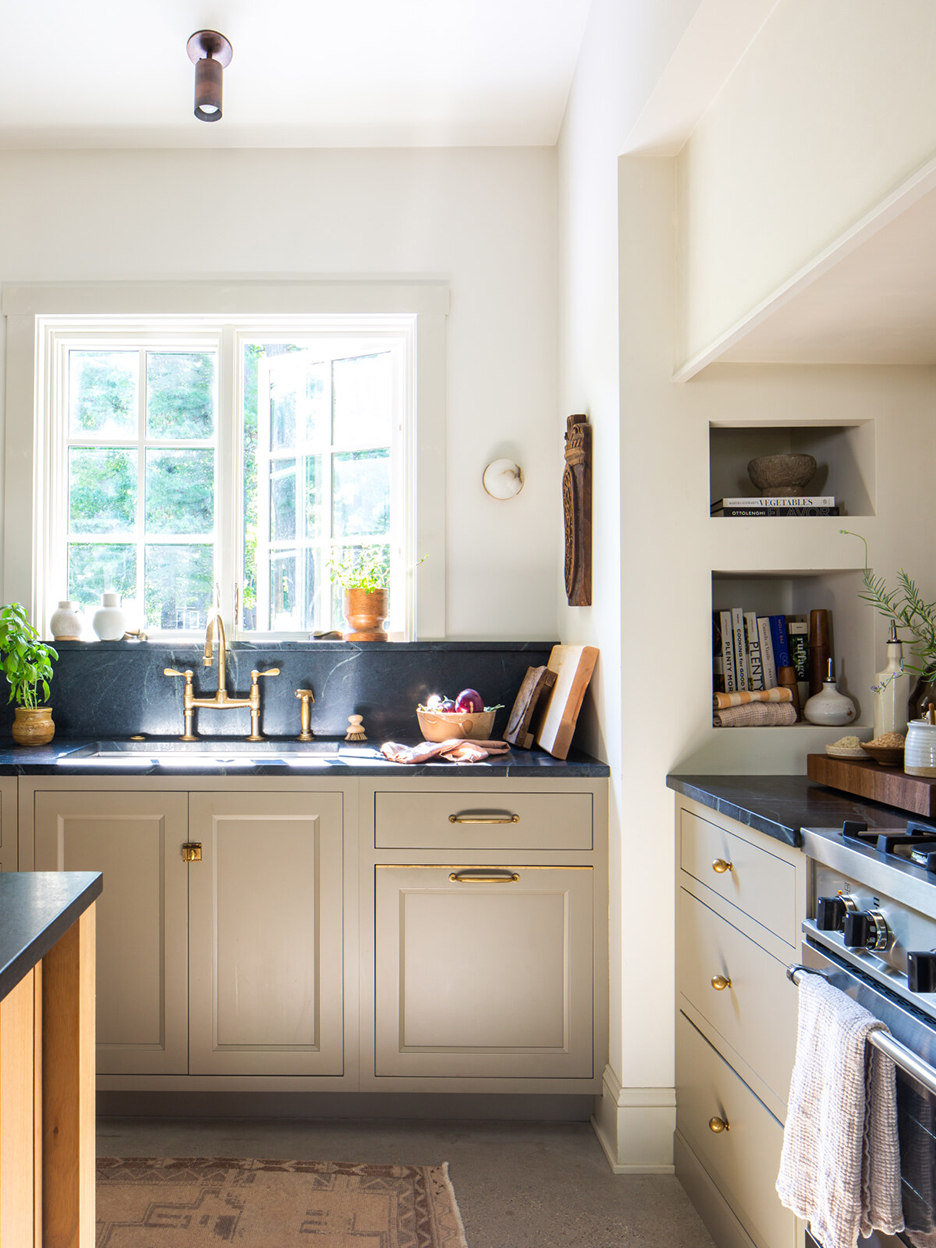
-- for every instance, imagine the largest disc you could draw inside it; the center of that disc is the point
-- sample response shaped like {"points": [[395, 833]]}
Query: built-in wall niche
{"points": [[796, 593], [845, 455]]}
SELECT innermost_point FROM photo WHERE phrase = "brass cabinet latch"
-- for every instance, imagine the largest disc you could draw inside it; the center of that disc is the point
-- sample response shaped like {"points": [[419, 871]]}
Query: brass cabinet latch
{"points": [[191, 851]]}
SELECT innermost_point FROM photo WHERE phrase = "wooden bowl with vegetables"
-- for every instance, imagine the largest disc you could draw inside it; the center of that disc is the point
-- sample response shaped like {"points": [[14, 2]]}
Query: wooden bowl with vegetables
{"points": [[466, 716]]}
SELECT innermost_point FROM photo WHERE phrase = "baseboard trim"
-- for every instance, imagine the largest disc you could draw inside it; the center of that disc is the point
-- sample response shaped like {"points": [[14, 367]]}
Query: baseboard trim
{"points": [[635, 1126]]}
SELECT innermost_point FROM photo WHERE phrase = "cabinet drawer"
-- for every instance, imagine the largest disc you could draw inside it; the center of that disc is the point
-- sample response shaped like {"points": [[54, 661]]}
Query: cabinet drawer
{"points": [[744, 1160], [756, 1013], [474, 819], [749, 877]]}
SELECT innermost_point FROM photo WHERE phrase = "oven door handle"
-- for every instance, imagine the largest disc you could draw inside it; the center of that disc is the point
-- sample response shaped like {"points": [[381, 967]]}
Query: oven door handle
{"points": [[903, 1057]]}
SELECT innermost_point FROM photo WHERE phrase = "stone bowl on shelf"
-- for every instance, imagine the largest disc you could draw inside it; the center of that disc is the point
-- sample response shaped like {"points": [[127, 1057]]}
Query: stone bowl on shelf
{"points": [[782, 476]]}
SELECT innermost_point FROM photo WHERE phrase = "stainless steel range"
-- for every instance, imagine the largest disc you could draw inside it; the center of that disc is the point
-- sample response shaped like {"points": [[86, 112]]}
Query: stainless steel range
{"points": [[872, 933]]}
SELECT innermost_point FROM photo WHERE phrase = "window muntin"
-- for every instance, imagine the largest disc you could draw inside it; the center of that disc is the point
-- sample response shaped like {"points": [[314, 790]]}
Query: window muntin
{"points": [[335, 468], [140, 464], [328, 432]]}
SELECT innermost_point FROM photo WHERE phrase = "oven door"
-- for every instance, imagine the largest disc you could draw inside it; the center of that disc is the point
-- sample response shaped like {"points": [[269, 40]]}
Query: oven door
{"points": [[916, 1104]]}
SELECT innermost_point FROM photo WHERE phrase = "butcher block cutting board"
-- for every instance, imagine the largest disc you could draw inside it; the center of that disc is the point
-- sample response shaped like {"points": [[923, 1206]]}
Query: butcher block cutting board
{"points": [[917, 794], [555, 723]]}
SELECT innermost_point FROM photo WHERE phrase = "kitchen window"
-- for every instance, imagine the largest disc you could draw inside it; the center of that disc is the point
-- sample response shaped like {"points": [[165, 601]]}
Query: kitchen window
{"points": [[191, 459]]}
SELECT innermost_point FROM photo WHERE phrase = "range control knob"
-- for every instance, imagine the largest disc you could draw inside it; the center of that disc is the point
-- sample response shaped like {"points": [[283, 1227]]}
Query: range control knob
{"points": [[921, 971], [865, 929], [830, 914]]}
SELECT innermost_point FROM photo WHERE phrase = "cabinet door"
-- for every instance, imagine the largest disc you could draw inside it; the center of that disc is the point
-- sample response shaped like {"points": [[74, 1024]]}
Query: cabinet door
{"points": [[484, 971], [265, 934], [136, 840]]}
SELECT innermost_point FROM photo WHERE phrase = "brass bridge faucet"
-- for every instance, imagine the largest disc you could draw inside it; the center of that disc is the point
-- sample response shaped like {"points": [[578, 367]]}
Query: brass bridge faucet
{"points": [[221, 701]]}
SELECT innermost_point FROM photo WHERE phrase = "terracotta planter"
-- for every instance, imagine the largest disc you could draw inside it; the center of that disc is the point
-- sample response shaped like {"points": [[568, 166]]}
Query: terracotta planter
{"points": [[33, 727], [365, 611]]}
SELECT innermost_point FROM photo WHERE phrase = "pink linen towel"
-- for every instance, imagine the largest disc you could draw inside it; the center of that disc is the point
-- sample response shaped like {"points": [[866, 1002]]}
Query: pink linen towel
{"points": [[840, 1165], [455, 750]]}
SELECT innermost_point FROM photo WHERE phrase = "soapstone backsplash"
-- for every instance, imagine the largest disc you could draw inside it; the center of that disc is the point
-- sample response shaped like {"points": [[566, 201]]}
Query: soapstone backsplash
{"points": [[117, 688]]}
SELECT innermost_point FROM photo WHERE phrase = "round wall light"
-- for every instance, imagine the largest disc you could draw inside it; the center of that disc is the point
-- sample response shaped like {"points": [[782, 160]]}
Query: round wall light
{"points": [[503, 479]]}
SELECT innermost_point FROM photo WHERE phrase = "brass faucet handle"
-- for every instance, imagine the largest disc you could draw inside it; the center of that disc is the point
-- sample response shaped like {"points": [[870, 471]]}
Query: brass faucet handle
{"points": [[271, 671], [171, 671]]}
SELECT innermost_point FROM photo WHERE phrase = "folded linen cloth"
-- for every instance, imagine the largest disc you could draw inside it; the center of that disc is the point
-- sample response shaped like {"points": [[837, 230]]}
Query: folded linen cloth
{"points": [[455, 750], [742, 697], [760, 714], [840, 1165]]}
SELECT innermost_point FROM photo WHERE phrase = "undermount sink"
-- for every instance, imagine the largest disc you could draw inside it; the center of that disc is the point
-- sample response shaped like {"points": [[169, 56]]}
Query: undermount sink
{"points": [[175, 753]]}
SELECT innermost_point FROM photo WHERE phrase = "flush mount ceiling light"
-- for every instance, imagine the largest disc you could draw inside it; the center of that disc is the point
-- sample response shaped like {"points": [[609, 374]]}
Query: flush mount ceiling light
{"points": [[210, 53]]}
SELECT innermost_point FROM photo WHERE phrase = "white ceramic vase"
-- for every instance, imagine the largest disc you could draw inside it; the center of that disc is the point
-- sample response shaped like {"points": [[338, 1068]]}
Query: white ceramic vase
{"points": [[829, 707], [109, 622], [67, 623]]}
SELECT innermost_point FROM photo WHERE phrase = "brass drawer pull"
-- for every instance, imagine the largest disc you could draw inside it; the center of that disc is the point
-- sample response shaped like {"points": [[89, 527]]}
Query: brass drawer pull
{"points": [[484, 818], [720, 866], [718, 1125], [461, 877], [720, 983], [191, 851]]}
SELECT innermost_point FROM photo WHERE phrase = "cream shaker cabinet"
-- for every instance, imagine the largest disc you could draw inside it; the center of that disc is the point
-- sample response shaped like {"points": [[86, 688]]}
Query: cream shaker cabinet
{"points": [[399, 935], [135, 839], [484, 971], [227, 960], [739, 906]]}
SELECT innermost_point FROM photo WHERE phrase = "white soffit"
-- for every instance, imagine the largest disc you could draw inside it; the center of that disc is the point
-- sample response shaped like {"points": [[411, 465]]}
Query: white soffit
{"points": [[360, 73], [716, 39]]}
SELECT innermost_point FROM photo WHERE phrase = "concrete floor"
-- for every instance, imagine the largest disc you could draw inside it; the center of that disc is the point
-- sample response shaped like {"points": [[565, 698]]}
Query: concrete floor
{"points": [[518, 1184]]}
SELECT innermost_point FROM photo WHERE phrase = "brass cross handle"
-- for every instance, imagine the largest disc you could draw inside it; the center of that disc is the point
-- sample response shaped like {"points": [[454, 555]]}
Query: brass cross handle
{"points": [[306, 697]]}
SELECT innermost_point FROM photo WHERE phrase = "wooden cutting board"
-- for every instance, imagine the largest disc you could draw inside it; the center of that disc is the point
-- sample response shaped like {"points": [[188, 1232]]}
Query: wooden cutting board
{"points": [[536, 682], [916, 794], [555, 724]]}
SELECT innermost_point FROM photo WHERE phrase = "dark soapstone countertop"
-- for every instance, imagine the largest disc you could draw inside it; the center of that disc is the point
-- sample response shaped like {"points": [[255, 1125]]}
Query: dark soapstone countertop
{"points": [[353, 760], [782, 805], [36, 908]]}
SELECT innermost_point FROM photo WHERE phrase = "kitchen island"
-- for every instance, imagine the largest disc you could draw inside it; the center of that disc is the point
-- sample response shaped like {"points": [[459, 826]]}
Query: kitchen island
{"points": [[47, 952]]}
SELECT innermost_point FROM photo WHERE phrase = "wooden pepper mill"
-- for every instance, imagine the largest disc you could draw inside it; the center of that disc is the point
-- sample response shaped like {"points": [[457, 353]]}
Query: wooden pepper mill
{"points": [[820, 649]]}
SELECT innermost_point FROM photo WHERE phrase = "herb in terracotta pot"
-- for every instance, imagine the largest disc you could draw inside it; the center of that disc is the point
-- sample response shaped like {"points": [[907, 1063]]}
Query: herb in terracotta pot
{"points": [[27, 663], [365, 579]]}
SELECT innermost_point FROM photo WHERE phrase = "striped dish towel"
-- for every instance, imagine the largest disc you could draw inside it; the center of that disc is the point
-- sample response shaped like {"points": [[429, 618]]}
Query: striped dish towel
{"points": [[743, 696], [840, 1166]]}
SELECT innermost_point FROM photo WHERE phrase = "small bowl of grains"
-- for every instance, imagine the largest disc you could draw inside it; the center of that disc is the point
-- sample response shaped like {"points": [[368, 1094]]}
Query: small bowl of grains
{"points": [[887, 749], [845, 747]]}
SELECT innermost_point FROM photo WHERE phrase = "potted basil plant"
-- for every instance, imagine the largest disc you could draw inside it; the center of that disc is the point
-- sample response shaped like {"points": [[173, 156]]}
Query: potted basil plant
{"points": [[27, 663], [365, 578]]}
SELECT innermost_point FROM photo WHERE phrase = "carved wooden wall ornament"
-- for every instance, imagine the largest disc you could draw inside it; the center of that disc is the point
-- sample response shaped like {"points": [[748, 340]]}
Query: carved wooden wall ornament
{"points": [[577, 511]]}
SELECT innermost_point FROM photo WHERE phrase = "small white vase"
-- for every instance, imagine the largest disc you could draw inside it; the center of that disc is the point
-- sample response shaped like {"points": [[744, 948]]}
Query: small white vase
{"points": [[109, 622], [67, 623], [829, 707]]}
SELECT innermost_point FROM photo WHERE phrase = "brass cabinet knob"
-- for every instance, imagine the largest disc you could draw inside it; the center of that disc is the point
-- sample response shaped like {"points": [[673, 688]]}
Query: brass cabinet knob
{"points": [[720, 866], [720, 983], [718, 1125]]}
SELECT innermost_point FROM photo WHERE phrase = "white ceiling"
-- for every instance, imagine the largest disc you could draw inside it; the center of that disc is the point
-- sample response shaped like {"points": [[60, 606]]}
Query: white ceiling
{"points": [[349, 73]]}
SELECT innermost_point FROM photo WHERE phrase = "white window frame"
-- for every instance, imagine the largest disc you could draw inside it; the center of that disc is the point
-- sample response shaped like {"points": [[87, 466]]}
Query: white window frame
{"points": [[37, 314]]}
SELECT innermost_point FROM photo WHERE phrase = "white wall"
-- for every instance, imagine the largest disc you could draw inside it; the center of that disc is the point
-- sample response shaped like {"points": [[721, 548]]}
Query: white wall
{"points": [[485, 219], [625, 48], [833, 106]]}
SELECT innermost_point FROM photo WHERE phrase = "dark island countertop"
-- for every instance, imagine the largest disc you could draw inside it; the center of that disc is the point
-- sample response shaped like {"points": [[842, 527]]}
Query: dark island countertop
{"points": [[780, 806], [62, 757], [36, 908]]}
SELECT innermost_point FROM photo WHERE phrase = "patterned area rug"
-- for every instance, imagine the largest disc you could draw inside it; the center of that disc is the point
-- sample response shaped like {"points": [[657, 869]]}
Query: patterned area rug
{"points": [[165, 1202]]}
